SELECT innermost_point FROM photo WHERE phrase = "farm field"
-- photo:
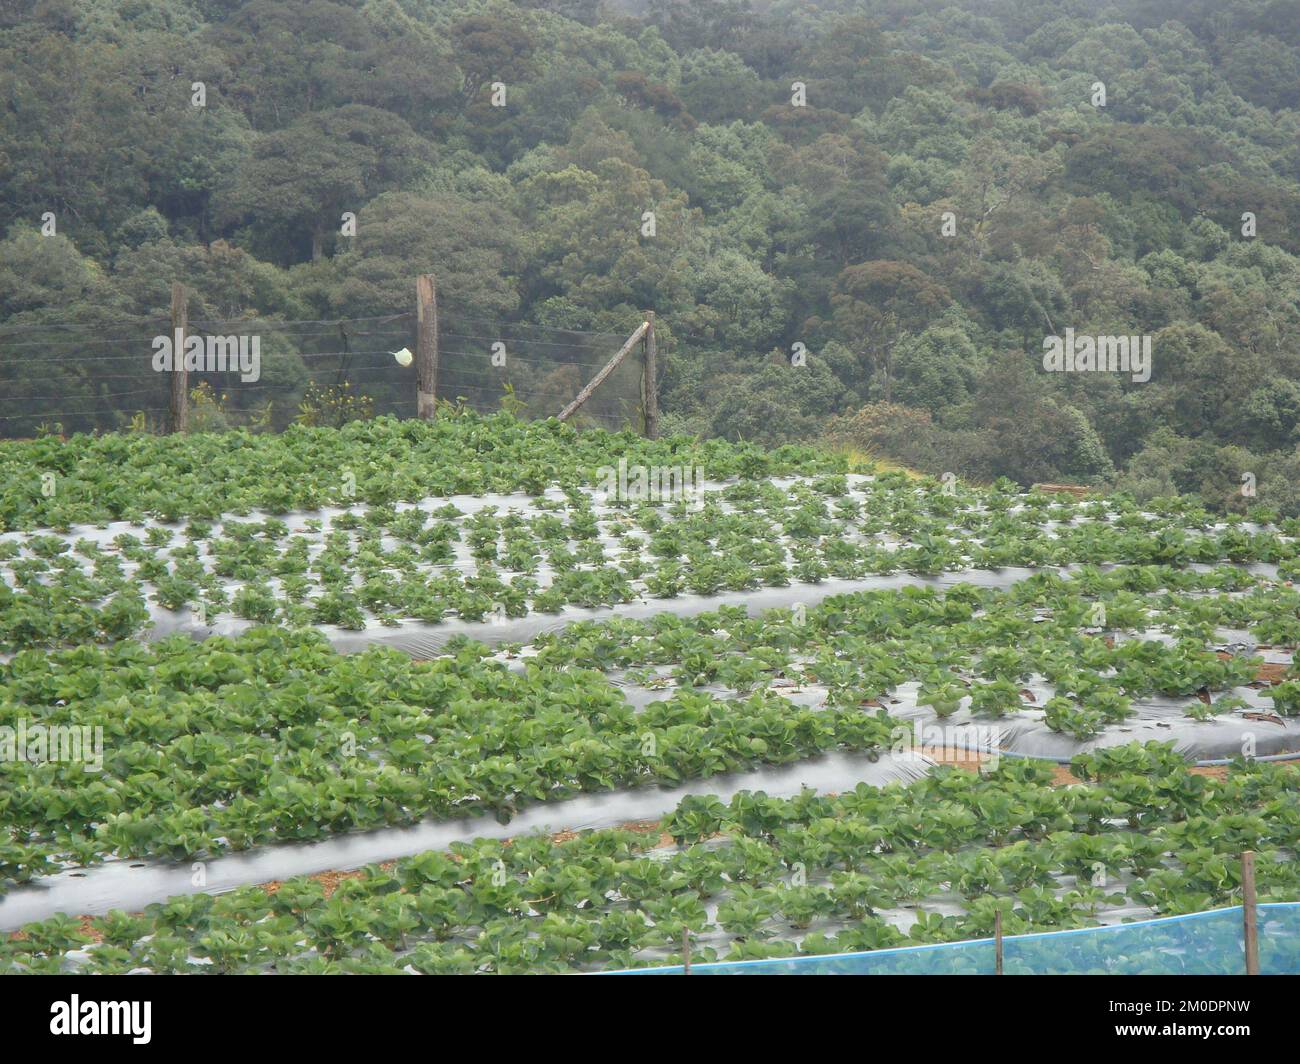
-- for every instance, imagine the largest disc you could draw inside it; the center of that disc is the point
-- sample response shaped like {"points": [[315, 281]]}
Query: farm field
{"points": [[932, 861], [232, 646], [648, 487], [115, 561]]}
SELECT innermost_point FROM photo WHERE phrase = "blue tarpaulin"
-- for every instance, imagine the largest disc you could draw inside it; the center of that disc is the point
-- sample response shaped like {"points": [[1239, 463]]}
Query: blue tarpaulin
{"points": [[1208, 943]]}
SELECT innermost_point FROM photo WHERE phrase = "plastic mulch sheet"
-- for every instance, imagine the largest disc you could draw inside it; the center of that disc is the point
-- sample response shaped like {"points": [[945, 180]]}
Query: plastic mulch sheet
{"points": [[131, 885]]}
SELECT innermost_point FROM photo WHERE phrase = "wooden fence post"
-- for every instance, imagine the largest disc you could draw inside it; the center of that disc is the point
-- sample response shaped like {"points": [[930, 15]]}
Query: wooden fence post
{"points": [[651, 380], [1249, 913], [178, 409], [605, 371], [426, 347], [997, 942]]}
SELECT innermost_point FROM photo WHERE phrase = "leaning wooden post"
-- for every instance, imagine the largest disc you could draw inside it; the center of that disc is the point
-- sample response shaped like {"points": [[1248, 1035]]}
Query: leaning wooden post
{"points": [[1249, 914], [651, 386], [426, 347], [686, 951], [997, 942], [178, 407], [606, 370]]}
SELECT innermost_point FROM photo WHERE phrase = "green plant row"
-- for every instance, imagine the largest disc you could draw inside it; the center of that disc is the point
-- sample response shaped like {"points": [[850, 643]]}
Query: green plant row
{"points": [[53, 483], [228, 744], [758, 877], [274, 736], [1085, 635], [385, 565]]}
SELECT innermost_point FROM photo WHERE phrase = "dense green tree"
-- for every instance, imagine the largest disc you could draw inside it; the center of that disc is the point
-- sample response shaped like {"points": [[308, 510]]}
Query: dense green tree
{"points": [[302, 178], [950, 190], [876, 304], [473, 247]]}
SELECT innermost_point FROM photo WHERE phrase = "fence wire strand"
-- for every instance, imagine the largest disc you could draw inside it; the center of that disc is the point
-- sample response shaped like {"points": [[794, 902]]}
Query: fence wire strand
{"points": [[79, 376]]}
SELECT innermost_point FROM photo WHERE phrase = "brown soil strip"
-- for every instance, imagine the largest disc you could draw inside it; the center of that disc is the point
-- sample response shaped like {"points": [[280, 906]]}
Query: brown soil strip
{"points": [[84, 926], [1271, 672], [89, 930], [329, 881], [967, 759], [1268, 672], [649, 827]]}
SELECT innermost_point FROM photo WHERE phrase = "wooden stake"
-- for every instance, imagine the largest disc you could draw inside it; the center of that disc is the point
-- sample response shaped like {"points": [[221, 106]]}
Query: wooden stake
{"points": [[426, 347], [178, 409], [997, 942], [651, 380], [1249, 915], [686, 951], [606, 370]]}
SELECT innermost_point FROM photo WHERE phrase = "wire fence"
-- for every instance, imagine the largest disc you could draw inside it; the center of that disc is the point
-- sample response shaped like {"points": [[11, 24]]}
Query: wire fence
{"points": [[1206, 943], [540, 370], [67, 377]]}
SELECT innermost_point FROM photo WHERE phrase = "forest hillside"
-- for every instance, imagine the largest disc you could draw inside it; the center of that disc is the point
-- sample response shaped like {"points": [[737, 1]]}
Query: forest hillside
{"points": [[857, 221]]}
